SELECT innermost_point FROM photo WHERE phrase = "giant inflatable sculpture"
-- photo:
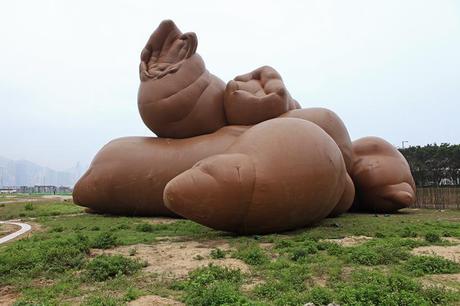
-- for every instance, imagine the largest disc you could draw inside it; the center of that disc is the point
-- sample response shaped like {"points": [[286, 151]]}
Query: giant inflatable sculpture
{"points": [[242, 157]]}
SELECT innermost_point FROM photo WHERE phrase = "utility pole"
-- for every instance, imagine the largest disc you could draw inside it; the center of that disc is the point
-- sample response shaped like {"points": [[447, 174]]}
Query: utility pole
{"points": [[404, 141]]}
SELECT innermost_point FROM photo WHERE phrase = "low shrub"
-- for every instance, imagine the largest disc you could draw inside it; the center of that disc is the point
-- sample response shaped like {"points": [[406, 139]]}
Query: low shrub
{"points": [[432, 237], [104, 240], [251, 254], [104, 267], [213, 285], [420, 265], [145, 227], [217, 253]]}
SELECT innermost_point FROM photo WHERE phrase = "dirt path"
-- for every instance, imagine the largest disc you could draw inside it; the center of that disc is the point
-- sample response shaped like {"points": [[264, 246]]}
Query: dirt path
{"points": [[24, 228]]}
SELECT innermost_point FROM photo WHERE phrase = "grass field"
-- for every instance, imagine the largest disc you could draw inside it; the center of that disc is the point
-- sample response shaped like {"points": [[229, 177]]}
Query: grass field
{"points": [[357, 259]]}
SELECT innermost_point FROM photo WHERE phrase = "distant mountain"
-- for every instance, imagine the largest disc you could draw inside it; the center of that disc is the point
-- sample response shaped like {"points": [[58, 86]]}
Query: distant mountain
{"points": [[26, 173]]}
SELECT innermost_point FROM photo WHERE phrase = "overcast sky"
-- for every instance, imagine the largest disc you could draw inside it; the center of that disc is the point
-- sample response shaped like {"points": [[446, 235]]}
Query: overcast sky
{"points": [[69, 69]]}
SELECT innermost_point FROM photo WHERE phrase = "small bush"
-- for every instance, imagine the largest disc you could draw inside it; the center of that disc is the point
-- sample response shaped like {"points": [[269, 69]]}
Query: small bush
{"points": [[104, 240], [320, 296], [332, 248], [29, 206], [420, 265], [378, 253], [214, 285], [145, 227], [252, 254], [57, 229], [408, 232], [217, 254], [104, 267], [432, 237]]}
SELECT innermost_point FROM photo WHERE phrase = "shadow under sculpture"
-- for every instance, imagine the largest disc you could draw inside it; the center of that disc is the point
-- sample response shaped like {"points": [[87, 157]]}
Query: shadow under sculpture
{"points": [[242, 157]]}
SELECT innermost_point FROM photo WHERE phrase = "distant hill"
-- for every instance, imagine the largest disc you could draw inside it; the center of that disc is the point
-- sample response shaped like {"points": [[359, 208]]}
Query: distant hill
{"points": [[26, 173]]}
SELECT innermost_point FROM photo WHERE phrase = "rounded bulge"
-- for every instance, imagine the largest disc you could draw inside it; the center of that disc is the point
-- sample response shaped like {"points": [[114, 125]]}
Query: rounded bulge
{"points": [[382, 176], [279, 175], [257, 96]]}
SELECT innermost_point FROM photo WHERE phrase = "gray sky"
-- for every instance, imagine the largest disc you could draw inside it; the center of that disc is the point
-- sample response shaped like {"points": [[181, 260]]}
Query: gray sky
{"points": [[69, 69]]}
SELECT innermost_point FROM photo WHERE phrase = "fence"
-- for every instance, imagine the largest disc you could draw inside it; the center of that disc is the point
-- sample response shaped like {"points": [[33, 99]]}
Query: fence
{"points": [[438, 197]]}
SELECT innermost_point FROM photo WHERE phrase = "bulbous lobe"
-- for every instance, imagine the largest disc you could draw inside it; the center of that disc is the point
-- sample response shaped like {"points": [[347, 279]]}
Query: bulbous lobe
{"points": [[128, 175], [178, 97], [331, 123], [257, 96], [279, 175], [382, 177]]}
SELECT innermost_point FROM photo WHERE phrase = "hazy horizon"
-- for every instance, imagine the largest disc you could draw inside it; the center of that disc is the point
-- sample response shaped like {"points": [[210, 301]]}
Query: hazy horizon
{"points": [[69, 76]]}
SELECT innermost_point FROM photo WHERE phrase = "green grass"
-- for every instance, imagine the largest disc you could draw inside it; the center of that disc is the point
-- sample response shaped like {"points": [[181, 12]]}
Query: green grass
{"points": [[37, 209], [61, 263]]}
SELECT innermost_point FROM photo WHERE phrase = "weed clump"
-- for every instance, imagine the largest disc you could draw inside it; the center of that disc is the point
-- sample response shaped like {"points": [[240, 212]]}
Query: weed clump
{"points": [[420, 265], [432, 237], [145, 227], [378, 253], [104, 240], [104, 267], [375, 288], [251, 254], [217, 253], [213, 285]]}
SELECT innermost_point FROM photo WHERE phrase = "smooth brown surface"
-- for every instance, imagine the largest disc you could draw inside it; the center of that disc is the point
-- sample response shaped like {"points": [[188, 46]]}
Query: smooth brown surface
{"points": [[346, 201], [128, 175], [257, 96], [331, 124], [279, 175], [177, 96], [382, 177]]}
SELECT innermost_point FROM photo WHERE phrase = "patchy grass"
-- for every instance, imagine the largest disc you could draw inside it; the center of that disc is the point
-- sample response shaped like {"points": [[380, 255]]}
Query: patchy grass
{"points": [[421, 265], [58, 264], [23, 210]]}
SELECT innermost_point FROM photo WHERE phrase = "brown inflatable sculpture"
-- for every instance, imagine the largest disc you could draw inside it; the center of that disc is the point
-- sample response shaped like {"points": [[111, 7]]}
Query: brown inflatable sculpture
{"points": [[178, 97], [382, 176], [257, 96], [265, 182], [243, 157]]}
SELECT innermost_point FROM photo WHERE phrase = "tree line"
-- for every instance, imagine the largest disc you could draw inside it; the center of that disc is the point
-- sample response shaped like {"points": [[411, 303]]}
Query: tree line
{"points": [[434, 165]]}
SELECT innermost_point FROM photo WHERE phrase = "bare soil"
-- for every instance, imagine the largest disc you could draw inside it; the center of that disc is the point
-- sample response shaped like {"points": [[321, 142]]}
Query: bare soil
{"points": [[177, 259], [7, 296], [154, 300], [448, 252], [350, 240]]}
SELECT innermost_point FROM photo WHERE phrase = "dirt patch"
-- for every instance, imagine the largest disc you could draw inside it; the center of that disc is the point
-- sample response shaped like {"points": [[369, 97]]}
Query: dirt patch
{"points": [[62, 198], [6, 229], [20, 201], [350, 240], [161, 220], [154, 300], [177, 259], [452, 240], [8, 296], [448, 252]]}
